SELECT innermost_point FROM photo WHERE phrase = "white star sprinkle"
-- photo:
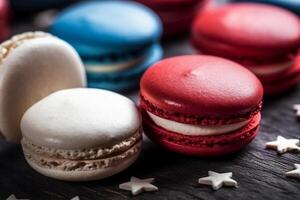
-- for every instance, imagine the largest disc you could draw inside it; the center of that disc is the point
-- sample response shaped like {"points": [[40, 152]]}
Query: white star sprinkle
{"points": [[75, 198], [296, 107], [283, 145], [294, 173], [13, 197], [137, 186], [217, 180]]}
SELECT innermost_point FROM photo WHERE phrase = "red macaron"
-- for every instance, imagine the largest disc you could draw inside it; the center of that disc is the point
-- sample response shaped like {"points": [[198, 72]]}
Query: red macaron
{"points": [[176, 15], [200, 105], [261, 37]]}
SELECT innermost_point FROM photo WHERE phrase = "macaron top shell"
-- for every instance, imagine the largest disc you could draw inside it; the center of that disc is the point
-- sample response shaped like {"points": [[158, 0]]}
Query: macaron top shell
{"points": [[33, 65], [81, 119], [118, 24], [204, 86], [254, 27]]}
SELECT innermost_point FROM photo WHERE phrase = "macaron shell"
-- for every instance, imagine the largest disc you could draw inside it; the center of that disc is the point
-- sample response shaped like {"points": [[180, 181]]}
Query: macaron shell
{"points": [[128, 79], [204, 86], [81, 118], [201, 145], [242, 35], [293, 5], [176, 16], [119, 24], [283, 83], [88, 175], [31, 72]]}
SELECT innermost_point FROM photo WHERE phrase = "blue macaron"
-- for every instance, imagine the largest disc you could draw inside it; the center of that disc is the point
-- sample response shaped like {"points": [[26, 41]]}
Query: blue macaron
{"points": [[292, 5], [117, 40]]}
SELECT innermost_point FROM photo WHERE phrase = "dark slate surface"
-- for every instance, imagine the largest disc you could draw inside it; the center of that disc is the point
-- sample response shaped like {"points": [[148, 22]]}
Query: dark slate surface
{"points": [[260, 172]]}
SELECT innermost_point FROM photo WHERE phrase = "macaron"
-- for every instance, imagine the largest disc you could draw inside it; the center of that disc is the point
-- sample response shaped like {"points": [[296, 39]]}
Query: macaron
{"points": [[200, 105], [33, 65], [263, 38], [117, 40], [292, 5], [81, 134], [176, 15]]}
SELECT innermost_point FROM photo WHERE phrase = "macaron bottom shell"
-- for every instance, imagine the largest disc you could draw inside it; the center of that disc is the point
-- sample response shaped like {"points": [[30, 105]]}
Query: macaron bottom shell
{"points": [[281, 82], [203, 146], [88, 174], [128, 79]]}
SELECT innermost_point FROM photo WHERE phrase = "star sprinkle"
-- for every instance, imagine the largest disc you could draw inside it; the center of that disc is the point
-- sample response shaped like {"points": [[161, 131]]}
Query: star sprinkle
{"points": [[294, 173], [296, 107], [13, 197], [283, 145], [217, 180], [137, 186], [75, 198]]}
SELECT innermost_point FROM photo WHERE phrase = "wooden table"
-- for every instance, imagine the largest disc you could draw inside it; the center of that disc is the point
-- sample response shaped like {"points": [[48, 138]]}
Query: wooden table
{"points": [[260, 172]]}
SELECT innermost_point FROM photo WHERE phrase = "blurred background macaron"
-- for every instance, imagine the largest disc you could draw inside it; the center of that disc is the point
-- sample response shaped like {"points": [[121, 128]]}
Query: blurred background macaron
{"points": [[268, 46], [4, 19], [292, 5], [200, 105], [34, 6], [117, 40], [33, 65], [176, 15], [81, 134]]}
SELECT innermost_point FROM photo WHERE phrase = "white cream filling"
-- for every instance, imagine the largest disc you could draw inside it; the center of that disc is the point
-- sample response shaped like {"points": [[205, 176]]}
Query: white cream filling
{"points": [[195, 130], [267, 69], [101, 68]]}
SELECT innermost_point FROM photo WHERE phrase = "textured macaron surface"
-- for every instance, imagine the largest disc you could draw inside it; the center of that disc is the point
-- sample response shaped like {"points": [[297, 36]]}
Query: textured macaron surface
{"points": [[233, 28], [202, 86], [81, 119], [110, 26]]}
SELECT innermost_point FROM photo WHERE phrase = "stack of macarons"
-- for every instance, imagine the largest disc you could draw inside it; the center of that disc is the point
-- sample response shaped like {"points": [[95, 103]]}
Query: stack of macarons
{"points": [[200, 105], [292, 5], [268, 46], [117, 40], [67, 132], [176, 15], [4, 18]]}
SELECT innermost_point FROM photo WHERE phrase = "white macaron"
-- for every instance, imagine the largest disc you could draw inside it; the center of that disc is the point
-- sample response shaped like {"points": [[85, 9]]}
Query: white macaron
{"points": [[33, 65], [81, 134]]}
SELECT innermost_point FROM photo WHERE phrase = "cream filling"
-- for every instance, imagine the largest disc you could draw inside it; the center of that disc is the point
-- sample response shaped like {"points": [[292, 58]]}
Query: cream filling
{"points": [[195, 130], [104, 68], [7, 46], [82, 154], [80, 165], [267, 69]]}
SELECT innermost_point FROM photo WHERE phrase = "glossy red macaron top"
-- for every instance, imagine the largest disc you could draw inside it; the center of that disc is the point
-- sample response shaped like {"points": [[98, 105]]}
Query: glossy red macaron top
{"points": [[204, 86], [247, 29]]}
